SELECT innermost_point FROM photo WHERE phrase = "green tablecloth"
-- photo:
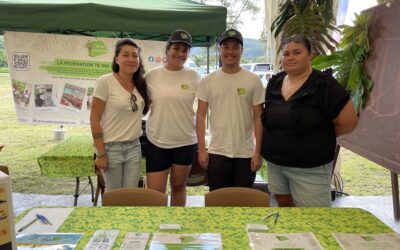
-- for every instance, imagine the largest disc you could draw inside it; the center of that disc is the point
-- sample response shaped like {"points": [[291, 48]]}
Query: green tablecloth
{"points": [[70, 158], [230, 222]]}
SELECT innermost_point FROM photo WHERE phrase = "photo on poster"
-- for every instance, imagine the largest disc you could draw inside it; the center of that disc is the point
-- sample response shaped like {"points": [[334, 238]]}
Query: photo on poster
{"points": [[45, 95], [21, 92], [89, 97], [72, 96]]}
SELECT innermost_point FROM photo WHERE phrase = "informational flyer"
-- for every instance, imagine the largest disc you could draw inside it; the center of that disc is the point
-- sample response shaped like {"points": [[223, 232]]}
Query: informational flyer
{"points": [[53, 76], [137, 241], [389, 241], [51, 241], [102, 239], [269, 241], [204, 241]]}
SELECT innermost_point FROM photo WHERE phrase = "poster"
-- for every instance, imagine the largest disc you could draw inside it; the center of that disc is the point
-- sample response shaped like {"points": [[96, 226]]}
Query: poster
{"points": [[53, 76]]}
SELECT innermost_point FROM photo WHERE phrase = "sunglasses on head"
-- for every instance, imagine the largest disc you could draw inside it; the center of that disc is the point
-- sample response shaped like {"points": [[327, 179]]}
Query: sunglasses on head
{"points": [[295, 38], [133, 103]]}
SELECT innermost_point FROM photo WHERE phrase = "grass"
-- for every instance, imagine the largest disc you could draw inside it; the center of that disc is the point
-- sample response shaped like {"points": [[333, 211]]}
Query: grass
{"points": [[24, 143]]}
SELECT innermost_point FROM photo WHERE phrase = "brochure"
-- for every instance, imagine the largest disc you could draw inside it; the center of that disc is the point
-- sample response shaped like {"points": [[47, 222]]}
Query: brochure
{"points": [[298, 241], [204, 241], [53, 241], [137, 241], [368, 241], [102, 239]]}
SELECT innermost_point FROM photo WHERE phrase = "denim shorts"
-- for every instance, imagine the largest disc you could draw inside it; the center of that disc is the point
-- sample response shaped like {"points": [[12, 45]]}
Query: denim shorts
{"points": [[309, 187], [124, 163]]}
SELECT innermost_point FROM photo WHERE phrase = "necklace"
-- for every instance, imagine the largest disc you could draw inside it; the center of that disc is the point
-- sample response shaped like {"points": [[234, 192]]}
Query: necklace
{"points": [[127, 85], [289, 88]]}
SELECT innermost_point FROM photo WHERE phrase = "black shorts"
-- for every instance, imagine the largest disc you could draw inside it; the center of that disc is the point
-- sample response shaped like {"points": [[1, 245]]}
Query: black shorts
{"points": [[229, 172], [160, 159]]}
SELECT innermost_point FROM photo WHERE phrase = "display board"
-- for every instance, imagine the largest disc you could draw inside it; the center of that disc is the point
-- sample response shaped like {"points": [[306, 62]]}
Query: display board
{"points": [[377, 136], [53, 76]]}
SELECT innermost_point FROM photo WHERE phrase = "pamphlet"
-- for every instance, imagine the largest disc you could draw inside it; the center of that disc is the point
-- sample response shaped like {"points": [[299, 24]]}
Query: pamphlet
{"points": [[51, 241], [204, 241], [259, 228], [55, 217], [102, 239], [269, 241], [368, 241], [137, 241]]}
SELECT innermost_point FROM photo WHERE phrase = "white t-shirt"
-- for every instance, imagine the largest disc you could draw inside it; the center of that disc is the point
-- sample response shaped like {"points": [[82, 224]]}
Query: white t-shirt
{"points": [[230, 99], [172, 119], [118, 122]]}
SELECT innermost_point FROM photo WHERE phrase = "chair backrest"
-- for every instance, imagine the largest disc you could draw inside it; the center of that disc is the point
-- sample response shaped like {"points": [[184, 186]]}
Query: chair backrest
{"points": [[4, 169], [236, 197], [197, 175], [134, 197]]}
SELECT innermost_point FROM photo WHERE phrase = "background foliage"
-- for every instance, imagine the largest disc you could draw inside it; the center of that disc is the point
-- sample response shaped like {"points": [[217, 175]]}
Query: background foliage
{"points": [[313, 18], [348, 61]]}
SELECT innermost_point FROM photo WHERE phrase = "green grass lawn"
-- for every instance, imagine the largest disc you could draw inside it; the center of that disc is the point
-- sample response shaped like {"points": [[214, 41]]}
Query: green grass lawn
{"points": [[24, 143]]}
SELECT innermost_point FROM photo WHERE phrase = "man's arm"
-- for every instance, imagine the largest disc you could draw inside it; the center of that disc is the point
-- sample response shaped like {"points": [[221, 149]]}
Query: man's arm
{"points": [[201, 132]]}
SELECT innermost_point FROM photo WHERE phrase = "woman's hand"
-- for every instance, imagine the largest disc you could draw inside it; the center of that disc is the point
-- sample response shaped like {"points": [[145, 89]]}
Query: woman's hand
{"points": [[101, 163]]}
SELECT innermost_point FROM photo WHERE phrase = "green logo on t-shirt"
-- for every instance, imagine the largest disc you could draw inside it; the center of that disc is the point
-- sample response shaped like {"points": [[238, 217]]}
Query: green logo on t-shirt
{"points": [[241, 91], [185, 86]]}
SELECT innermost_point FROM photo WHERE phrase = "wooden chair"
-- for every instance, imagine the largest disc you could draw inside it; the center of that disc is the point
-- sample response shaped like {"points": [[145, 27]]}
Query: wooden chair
{"points": [[101, 186], [4, 169], [197, 175], [236, 197], [134, 197]]}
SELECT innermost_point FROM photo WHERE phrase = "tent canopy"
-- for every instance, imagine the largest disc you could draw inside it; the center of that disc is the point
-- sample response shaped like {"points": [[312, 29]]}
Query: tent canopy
{"points": [[138, 19]]}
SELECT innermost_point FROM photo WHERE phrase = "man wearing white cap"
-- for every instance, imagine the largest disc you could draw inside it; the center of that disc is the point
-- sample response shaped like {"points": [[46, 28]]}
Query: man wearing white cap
{"points": [[234, 97]]}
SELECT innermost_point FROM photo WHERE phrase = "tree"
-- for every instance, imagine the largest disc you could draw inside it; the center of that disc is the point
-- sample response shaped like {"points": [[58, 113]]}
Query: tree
{"points": [[313, 18], [235, 8], [3, 59], [3, 56]]}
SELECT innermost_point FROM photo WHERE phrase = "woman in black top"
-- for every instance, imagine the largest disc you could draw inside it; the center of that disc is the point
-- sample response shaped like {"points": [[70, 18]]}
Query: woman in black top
{"points": [[305, 110]]}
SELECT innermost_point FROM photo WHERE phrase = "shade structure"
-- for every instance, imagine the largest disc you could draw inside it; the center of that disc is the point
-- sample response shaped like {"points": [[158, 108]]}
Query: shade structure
{"points": [[138, 19]]}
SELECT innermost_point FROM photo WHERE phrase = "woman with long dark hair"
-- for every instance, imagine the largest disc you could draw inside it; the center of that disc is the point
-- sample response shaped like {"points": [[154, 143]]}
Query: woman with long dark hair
{"points": [[120, 100]]}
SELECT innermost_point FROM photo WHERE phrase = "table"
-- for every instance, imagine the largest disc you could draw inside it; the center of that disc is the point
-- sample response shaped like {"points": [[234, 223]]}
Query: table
{"points": [[229, 221], [70, 158]]}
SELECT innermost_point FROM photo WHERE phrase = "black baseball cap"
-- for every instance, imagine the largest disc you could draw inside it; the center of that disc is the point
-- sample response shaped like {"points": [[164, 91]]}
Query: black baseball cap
{"points": [[181, 36], [231, 34]]}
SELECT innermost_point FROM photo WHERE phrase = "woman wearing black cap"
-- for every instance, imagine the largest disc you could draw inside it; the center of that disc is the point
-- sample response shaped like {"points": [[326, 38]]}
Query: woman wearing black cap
{"points": [[170, 129]]}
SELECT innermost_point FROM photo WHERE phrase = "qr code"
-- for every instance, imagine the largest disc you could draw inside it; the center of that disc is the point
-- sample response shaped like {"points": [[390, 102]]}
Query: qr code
{"points": [[20, 61]]}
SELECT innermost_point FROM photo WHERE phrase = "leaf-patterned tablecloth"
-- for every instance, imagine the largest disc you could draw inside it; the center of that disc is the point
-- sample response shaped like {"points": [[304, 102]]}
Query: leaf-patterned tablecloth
{"points": [[230, 222], [70, 158]]}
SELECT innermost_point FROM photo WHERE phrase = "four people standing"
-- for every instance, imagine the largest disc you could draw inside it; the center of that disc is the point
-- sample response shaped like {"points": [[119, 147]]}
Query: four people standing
{"points": [[305, 110]]}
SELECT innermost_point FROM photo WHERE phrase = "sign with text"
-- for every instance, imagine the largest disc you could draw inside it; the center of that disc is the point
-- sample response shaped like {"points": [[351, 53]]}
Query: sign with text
{"points": [[53, 76]]}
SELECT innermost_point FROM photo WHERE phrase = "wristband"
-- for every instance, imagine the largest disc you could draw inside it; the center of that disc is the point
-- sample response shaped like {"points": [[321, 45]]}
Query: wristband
{"points": [[101, 155]]}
